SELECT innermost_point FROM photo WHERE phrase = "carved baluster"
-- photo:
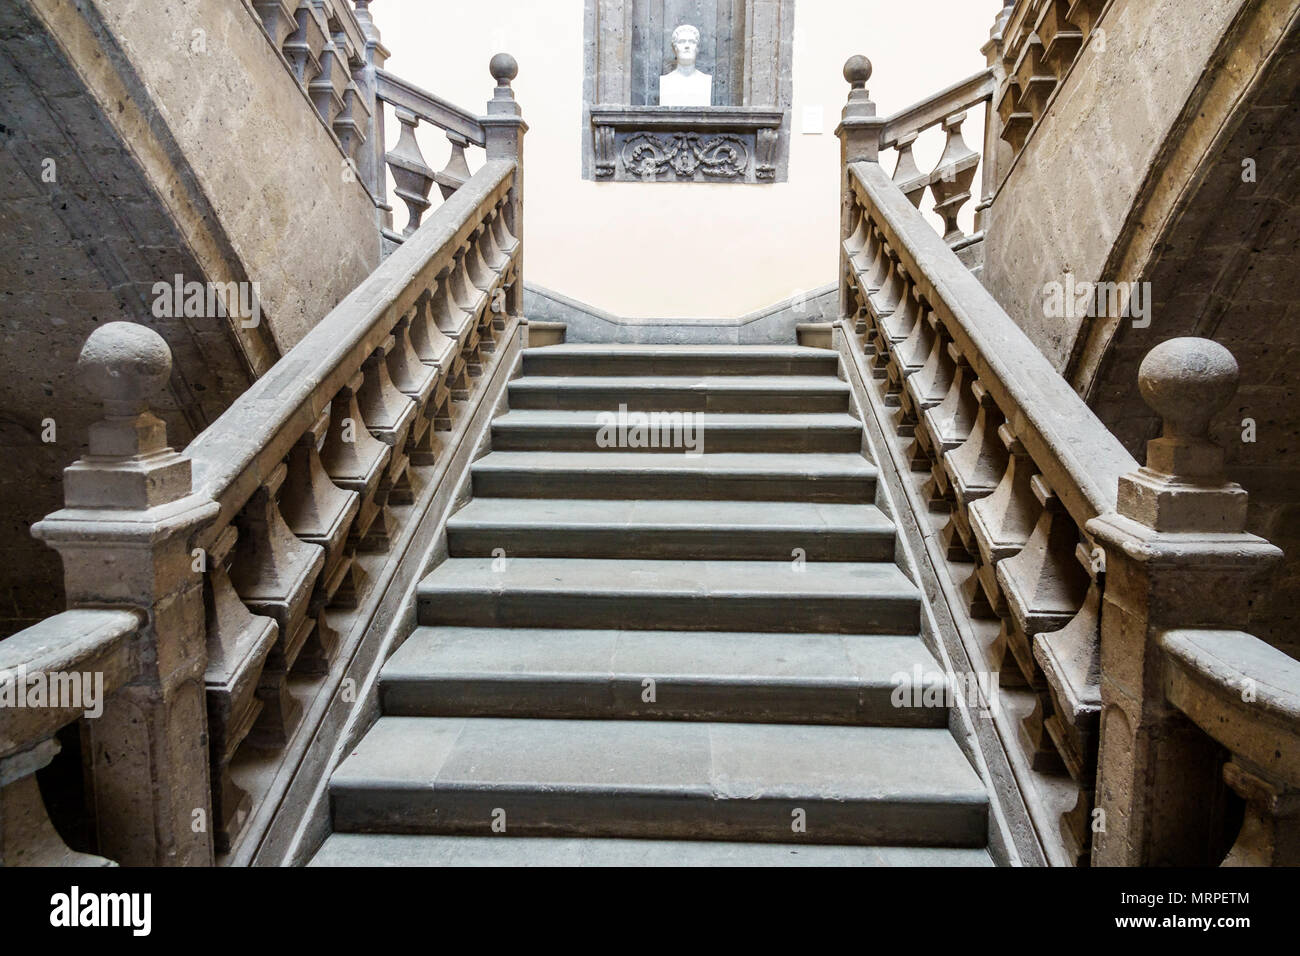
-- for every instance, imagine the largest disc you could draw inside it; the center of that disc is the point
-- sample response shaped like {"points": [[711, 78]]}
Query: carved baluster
{"points": [[909, 179], [897, 325], [1071, 661], [1036, 80], [1270, 828], [354, 459], [944, 428], [1044, 587], [319, 512], [417, 382], [1084, 13], [878, 271], [353, 121], [855, 246], [974, 470], [927, 388], [1061, 38], [438, 352], [501, 226], [493, 255], [412, 176], [326, 88], [912, 318], [1016, 122], [913, 353], [884, 301], [456, 324], [389, 415], [274, 574], [952, 178], [472, 301], [304, 46], [277, 19], [484, 281], [456, 173], [238, 643], [948, 424], [1001, 524]]}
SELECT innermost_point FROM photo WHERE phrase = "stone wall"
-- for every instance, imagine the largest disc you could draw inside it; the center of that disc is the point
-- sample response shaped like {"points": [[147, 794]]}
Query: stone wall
{"points": [[132, 150], [775, 325]]}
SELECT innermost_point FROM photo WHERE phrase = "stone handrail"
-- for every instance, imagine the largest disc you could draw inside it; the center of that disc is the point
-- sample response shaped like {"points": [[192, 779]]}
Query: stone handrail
{"points": [[257, 555], [933, 110], [429, 108], [1242, 692], [75, 661], [1245, 694]]}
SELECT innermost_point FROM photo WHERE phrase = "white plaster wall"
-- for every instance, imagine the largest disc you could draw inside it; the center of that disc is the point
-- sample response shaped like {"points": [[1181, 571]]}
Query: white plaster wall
{"points": [[689, 250]]}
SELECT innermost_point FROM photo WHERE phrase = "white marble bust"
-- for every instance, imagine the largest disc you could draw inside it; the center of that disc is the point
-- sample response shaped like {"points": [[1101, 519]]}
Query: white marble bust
{"points": [[686, 86]]}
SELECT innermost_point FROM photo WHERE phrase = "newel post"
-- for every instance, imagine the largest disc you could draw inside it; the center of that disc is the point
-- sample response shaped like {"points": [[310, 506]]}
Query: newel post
{"points": [[124, 537], [859, 133], [505, 128], [1177, 555]]}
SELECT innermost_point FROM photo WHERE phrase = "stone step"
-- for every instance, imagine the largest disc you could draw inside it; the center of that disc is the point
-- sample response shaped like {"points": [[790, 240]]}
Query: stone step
{"points": [[550, 430], [652, 360], [820, 477], [724, 393], [622, 528], [764, 678], [866, 786], [766, 596], [418, 850]]}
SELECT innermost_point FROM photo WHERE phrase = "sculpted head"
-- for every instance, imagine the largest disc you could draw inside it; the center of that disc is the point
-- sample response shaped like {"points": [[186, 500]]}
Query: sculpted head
{"points": [[686, 44]]}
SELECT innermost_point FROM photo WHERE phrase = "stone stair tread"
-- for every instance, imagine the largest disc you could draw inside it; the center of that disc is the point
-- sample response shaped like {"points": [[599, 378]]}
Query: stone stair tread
{"points": [[538, 417], [797, 517], [721, 463], [420, 849], [650, 578], [742, 658], [698, 675], [723, 352], [661, 778], [700, 383]]}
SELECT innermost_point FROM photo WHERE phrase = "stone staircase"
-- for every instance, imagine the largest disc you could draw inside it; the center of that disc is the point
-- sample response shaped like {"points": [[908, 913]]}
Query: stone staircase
{"points": [[642, 656]]}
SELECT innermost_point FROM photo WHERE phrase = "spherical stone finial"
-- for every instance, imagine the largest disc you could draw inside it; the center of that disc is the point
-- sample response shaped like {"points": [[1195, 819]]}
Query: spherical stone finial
{"points": [[857, 70], [124, 363], [1186, 381], [504, 68]]}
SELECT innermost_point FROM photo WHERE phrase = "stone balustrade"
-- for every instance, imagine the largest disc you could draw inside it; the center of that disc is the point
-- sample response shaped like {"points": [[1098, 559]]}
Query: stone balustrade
{"points": [[952, 177], [257, 555], [1065, 560], [1039, 44], [67, 667], [332, 52], [412, 175]]}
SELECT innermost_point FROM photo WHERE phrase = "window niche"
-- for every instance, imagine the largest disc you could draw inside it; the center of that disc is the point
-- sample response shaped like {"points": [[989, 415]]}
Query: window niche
{"points": [[742, 136]]}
